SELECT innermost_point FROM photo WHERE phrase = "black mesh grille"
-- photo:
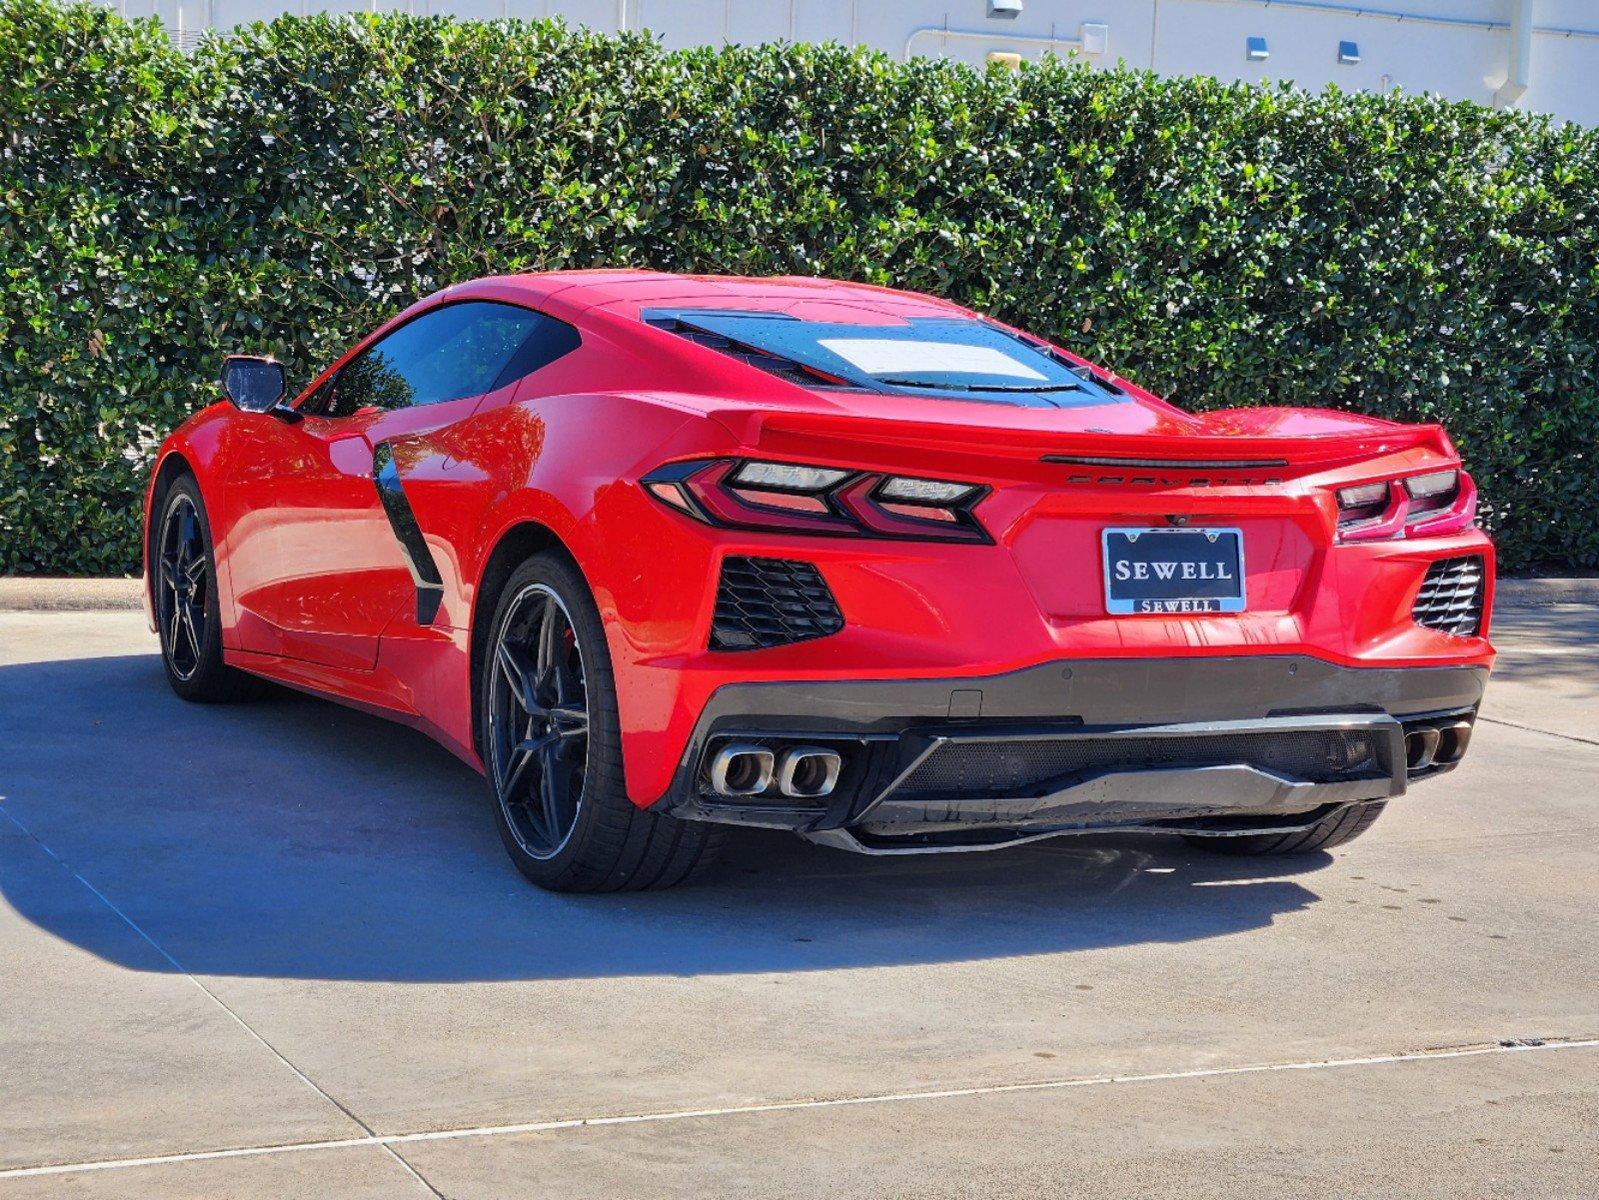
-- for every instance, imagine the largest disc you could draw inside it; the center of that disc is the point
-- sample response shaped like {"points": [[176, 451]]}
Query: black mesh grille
{"points": [[1450, 599], [1006, 768], [764, 602]]}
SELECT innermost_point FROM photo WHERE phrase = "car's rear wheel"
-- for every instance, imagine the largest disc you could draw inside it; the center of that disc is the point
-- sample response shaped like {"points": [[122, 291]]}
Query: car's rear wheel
{"points": [[1342, 826], [184, 599], [552, 747]]}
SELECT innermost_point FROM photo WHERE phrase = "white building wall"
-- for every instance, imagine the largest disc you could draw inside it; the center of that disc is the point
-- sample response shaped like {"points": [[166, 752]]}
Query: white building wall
{"points": [[1460, 48]]}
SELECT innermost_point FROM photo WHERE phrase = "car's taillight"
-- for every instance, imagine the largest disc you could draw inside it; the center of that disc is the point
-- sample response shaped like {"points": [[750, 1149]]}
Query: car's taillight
{"points": [[799, 498], [1438, 502], [1431, 493], [1362, 503]]}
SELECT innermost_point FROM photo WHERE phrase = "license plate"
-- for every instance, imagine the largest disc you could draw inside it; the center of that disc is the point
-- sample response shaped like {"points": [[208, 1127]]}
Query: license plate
{"points": [[1153, 571]]}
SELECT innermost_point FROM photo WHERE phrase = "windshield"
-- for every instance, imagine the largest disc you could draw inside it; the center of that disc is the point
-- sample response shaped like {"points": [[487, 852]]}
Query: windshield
{"points": [[948, 356]]}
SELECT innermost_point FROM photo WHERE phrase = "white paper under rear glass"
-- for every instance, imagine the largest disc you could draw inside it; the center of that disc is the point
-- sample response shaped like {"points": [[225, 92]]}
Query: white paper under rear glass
{"points": [[898, 356]]}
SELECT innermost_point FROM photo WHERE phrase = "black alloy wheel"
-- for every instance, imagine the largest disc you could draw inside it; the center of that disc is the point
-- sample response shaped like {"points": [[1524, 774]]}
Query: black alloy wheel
{"points": [[550, 733], [183, 587], [183, 599], [538, 721]]}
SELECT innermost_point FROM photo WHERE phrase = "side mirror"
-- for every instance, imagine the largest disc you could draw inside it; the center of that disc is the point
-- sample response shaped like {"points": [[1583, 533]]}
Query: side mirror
{"points": [[254, 384]]}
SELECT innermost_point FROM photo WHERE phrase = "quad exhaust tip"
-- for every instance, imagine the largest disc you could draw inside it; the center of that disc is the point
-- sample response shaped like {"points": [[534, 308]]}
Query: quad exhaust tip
{"points": [[1453, 739], [800, 772], [1437, 745], [808, 771], [1421, 747], [742, 769]]}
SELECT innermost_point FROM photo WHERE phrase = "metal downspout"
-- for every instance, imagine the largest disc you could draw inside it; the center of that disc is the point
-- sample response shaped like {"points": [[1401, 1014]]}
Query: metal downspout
{"points": [[1520, 73]]}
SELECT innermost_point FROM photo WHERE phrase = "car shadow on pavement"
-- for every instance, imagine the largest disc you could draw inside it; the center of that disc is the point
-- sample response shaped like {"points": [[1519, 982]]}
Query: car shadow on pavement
{"points": [[295, 838]]}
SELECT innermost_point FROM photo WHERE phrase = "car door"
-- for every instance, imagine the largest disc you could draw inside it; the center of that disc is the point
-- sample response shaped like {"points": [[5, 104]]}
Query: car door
{"points": [[322, 559]]}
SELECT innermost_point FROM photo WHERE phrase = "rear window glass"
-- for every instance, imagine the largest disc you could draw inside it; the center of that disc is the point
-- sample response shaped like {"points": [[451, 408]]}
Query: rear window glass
{"points": [[936, 356]]}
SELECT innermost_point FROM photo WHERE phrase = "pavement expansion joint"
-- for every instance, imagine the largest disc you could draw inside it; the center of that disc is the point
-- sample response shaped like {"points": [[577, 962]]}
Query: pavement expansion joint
{"points": [[1568, 737], [1508, 1045]]}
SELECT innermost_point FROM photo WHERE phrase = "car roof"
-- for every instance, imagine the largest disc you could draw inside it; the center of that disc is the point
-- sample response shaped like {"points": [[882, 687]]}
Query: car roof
{"points": [[628, 292]]}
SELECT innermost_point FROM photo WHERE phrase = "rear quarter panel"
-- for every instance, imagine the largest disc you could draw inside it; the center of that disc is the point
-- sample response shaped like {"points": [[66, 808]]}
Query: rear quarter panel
{"points": [[564, 462]]}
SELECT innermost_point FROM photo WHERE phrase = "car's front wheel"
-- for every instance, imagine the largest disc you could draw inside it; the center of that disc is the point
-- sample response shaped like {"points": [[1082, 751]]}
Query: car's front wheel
{"points": [[552, 747], [184, 599]]}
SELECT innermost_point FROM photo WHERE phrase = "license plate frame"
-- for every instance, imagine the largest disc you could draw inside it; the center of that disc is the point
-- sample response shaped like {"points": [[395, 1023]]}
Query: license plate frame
{"points": [[1160, 595]]}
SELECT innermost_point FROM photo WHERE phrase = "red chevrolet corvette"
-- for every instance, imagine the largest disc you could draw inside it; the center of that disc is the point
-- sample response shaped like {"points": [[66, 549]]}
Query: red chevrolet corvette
{"points": [[662, 554]]}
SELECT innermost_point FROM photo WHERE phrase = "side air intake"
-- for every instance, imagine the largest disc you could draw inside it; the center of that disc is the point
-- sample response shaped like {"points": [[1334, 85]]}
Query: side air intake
{"points": [[1450, 599], [765, 602]]}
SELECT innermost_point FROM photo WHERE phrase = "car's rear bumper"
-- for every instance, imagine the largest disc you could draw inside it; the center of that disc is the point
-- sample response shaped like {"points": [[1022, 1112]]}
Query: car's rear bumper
{"points": [[935, 611], [1221, 746]]}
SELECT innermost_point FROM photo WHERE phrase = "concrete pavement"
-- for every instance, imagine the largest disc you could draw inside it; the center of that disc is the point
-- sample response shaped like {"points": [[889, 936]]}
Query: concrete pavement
{"points": [[288, 923]]}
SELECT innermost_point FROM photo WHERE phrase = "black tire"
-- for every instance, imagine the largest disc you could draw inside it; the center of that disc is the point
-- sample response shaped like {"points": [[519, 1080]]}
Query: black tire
{"points": [[188, 615], [570, 829], [1340, 827]]}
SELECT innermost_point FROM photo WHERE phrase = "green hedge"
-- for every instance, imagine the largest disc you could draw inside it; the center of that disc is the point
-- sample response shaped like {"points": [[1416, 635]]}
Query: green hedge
{"points": [[289, 185]]}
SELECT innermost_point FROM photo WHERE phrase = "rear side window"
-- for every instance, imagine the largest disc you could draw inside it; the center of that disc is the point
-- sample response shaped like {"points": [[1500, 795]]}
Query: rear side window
{"points": [[453, 352]]}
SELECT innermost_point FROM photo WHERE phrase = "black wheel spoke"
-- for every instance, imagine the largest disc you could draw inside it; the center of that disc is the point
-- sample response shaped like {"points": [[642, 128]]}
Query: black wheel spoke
{"points": [[555, 787], [550, 649], [518, 676], [514, 776], [520, 756], [189, 631], [570, 723], [539, 721]]}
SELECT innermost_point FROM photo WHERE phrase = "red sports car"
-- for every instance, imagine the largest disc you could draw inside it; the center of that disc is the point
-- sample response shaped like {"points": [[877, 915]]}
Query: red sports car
{"points": [[662, 554]]}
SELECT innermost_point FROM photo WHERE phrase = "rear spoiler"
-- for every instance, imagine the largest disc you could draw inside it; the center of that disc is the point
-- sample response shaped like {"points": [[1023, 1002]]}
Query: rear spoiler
{"points": [[838, 436]]}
